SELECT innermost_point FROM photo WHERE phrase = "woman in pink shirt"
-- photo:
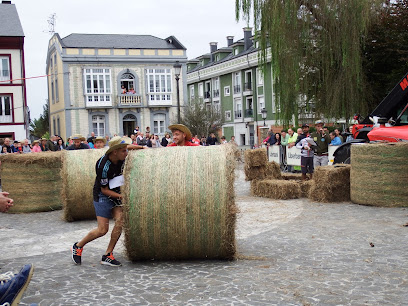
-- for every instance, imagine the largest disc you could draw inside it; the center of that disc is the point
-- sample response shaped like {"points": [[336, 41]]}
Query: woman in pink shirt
{"points": [[36, 146]]}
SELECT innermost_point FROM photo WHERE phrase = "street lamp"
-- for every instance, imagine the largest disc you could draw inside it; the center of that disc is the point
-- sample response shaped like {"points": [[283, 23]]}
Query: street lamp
{"points": [[177, 70], [264, 113]]}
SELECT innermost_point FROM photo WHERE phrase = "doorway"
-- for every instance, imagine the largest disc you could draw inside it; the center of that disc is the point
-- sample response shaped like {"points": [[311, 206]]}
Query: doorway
{"points": [[129, 124]]}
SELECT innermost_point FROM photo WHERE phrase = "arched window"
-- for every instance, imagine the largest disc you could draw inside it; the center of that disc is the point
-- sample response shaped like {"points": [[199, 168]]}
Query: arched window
{"points": [[127, 80], [129, 117]]}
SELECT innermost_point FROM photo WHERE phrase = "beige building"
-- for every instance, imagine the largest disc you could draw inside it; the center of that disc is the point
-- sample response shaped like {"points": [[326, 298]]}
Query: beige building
{"points": [[110, 84]]}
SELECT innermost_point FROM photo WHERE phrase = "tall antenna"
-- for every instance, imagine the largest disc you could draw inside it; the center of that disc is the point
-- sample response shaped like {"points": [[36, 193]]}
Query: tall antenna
{"points": [[51, 24]]}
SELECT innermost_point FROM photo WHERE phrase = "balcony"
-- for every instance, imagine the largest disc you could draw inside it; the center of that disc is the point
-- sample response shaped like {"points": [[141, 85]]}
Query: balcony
{"points": [[248, 86], [237, 89], [216, 93], [98, 101], [238, 114], [207, 95], [249, 113], [160, 99], [129, 100]]}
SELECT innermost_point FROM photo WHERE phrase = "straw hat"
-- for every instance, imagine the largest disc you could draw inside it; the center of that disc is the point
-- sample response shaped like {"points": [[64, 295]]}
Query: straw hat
{"points": [[78, 137], [118, 142], [43, 139], [182, 128], [99, 138], [35, 141]]}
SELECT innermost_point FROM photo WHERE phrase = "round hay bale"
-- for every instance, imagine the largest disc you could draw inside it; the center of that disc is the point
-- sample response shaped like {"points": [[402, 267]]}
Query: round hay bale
{"points": [[78, 176], [379, 174], [185, 210], [33, 181], [256, 158], [332, 184]]}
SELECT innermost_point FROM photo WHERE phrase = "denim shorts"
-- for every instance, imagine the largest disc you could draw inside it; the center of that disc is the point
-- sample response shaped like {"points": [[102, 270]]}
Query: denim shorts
{"points": [[103, 207]]}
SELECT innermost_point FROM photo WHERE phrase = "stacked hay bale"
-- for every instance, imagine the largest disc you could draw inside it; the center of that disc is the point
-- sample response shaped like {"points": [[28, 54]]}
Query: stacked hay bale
{"points": [[257, 166], [78, 176], [185, 210], [379, 174], [331, 184], [33, 181]]}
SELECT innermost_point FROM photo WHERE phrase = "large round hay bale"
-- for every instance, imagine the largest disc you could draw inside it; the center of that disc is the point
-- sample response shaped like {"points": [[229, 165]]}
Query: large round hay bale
{"points": [[33, 181], [179, 203], [379, 174], [78, 176]]}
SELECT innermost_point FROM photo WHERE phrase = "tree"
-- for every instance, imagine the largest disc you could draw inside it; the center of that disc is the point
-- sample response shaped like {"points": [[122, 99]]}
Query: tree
{"points": [[315, 51], [386, 51], [201, 119], [40, 126]]}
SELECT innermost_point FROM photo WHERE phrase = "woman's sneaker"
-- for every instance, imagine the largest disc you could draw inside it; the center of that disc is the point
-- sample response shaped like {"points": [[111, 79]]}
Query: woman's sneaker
{"points": [[76, 254], [110, 260]]}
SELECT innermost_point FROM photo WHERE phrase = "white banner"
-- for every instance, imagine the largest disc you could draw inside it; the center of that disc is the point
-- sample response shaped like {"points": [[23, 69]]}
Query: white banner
{"points": [[274, 154], [293, 156], [331, 156]]}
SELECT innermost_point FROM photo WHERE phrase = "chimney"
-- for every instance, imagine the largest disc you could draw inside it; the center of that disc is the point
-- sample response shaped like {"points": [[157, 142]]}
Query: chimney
{"points": [[247, 38], [213, 48], [230, 40]]}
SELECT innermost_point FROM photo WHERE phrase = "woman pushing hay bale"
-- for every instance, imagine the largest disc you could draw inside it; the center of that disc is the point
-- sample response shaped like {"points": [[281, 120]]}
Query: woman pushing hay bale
{"points": [[185, 210], [33, 181], [78, 176], [379, 174]]}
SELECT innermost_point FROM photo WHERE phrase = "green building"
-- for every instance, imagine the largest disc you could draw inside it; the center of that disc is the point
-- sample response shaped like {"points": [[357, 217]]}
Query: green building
{"points": [[229, 79]]}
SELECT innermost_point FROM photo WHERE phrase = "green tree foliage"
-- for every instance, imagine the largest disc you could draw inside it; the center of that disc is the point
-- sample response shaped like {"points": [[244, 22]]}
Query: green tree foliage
{"points": [[315, 50], [201, 119], [386, 51], [40, 126]]}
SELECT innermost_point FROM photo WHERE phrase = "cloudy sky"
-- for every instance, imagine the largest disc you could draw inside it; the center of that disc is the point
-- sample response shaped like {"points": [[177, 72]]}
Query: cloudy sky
{"points": [[194, 23]]}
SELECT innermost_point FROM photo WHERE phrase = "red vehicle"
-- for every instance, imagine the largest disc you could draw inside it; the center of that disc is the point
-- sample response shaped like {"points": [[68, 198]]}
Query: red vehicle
{"points": [[388, 122]]}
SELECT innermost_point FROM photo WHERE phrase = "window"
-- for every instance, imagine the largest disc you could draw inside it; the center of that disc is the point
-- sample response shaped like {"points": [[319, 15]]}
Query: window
{"points": [[226, 91], [216, 87], [97, 85], [216, 105], [158, 123], [236, 51], [159, 84], [248, 80], [237, 82], [4, 69], [56, 91], [192, 91], [207, 90], [238, 108], [260, 77], [52, 93], [127, 80], [98, 125], [58, 126], [54, 125], [55, 59], [227, 115], [5, 109], [261, 104], [200, 90]]}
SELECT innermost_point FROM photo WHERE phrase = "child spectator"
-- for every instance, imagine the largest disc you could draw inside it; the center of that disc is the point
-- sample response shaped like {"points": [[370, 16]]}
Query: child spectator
{"points": [[306, 157]]}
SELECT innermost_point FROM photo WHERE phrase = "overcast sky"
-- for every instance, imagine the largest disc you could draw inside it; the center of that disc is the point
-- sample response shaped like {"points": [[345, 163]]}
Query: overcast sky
{"points": [[194, 23]]}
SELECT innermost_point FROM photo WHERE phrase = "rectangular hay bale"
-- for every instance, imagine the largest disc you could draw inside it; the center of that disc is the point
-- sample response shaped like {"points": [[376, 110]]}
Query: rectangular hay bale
{"points": [[332, 184], [256, 158], [276, 189], [254, 173], [273, 170]]}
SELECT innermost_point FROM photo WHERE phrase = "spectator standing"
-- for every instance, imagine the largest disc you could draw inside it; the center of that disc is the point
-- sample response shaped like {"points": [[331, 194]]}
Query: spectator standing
{"points": [[306, 157], [148, 141], [196, 140], [212, 140], [304, 132], [26, 147], [277, 137], [335, 140], [223, 140], [338, 134], [43, 144], [203, 141], [232, 141], [91, 138], [321, 150], [291, 143], [350, 136], [99, 142], [78, 143], [36, 146], [157, 141], [140, 140], [60, 145], [284, 138], [7, 145], [166, 140]]}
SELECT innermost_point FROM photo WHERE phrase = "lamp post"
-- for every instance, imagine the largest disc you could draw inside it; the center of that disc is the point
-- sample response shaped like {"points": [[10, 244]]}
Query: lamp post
{"points": [[177, 70], [264, 113]]}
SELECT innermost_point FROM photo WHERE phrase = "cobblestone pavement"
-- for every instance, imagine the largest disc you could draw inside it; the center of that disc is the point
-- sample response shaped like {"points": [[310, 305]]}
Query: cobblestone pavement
{"points": [[293, 252]]}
